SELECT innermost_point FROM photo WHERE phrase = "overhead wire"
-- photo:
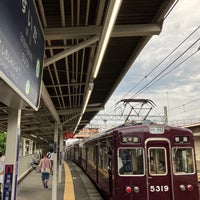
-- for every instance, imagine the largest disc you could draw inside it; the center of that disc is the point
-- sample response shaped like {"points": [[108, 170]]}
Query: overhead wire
{"points": [[180, 106], [156, 65], [175, 67], [179, 45], [113, 108], [155, 79], [191, 109], [196, 100], [165, 58]]}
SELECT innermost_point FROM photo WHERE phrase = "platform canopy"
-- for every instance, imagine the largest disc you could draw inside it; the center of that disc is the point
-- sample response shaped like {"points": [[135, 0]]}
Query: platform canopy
{"points": [[89, 47]]}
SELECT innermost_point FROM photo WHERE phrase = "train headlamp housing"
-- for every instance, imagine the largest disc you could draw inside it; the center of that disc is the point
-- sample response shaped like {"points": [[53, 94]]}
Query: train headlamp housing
{"points": [[136, 189], [182, 188], [189, 188]]}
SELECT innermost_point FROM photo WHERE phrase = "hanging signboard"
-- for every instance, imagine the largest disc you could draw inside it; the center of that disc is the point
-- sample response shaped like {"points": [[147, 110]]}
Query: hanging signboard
{"points": [[21, 50]]}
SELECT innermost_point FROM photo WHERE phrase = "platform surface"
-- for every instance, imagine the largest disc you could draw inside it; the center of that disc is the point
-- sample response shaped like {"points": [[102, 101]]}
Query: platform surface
{"points": [[75, 185]]}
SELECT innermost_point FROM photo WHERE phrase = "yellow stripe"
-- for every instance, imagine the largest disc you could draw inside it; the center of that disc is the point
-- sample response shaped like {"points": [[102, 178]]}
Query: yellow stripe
{"points": [[69, 186]]}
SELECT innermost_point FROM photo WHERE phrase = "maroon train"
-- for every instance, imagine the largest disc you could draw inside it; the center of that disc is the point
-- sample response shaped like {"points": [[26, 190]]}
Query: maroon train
{"points": [[141, 162]]}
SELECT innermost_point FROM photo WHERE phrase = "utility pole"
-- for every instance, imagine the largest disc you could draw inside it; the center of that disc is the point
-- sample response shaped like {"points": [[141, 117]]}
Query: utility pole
{"points": [[167, 108], [165, 114]]}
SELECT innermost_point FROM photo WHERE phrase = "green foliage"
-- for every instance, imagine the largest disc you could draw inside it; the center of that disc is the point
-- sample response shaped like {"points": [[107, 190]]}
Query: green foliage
{"points": [[3, 142]]}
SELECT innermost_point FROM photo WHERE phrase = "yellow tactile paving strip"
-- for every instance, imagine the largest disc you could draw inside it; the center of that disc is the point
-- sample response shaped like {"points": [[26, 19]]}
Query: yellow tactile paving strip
{"points": [[69, 186]]}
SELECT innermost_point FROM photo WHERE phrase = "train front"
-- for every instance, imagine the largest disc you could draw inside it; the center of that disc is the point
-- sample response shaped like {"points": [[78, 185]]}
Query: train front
{"points": [[155, 162]]}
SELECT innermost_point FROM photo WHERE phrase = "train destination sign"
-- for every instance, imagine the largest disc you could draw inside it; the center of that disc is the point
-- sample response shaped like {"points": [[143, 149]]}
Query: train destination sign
{"points": [[21, 50]]}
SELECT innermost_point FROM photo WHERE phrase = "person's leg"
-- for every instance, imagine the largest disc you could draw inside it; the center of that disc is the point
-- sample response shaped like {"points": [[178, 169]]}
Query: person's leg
{"points": [[47, 179], [43, 179], [45, 183]]}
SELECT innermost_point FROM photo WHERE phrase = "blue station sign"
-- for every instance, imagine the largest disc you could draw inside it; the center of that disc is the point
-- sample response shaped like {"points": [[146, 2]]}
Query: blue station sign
{"points": [[21, 49]]}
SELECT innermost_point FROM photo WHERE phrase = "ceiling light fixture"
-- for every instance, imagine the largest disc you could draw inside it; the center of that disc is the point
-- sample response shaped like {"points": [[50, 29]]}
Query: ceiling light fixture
{"points": [[89, 92], [79, 120], [34, 136], [105, 36], [103, 42]]}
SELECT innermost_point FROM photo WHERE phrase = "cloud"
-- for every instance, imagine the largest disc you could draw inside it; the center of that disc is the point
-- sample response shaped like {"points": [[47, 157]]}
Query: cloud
{"points": [[182, 84]]}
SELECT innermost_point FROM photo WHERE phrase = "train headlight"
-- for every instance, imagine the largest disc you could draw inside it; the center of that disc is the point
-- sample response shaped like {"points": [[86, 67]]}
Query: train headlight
{"points": [[136, 189], [190, 188], [182, 187], [128, 189]]}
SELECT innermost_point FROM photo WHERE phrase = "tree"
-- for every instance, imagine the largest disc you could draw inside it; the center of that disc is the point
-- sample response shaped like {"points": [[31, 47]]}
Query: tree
{"points": [[3, 137]]}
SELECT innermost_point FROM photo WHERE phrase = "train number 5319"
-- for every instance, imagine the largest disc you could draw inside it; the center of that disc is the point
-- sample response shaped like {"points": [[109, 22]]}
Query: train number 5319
{"points": [[159, 188]]}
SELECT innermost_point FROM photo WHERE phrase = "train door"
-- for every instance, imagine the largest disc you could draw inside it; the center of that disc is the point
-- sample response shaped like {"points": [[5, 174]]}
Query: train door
{"points": [[158, 170]]}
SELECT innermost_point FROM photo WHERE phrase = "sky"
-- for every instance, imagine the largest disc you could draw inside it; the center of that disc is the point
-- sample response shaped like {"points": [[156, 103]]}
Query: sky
{"points": [[178, 86]]}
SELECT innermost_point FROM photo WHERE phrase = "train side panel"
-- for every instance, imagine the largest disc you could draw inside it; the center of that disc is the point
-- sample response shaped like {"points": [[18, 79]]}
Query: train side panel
{"points": [[145, 162]]}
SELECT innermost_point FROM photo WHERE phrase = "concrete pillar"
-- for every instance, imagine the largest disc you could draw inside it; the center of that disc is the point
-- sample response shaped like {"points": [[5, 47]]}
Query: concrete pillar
{"points": [[60, 158], [24, 147], [54, 180], [12, 154]]}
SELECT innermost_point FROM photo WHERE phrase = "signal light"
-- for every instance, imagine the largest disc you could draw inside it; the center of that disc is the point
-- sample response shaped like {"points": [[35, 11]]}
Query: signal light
{"points": [[128, 189], [190, 188]]}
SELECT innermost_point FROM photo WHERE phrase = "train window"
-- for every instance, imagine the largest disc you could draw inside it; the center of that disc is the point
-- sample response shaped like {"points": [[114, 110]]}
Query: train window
{"points": [[91, 153], [105, 159], [183, 160], [157, 164], [103, 154], [76, 152], [84, 152], [130, 161]]}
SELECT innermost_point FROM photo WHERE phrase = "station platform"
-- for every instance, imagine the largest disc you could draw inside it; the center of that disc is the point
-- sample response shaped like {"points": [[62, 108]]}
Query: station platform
{"points": [[75, 185]]}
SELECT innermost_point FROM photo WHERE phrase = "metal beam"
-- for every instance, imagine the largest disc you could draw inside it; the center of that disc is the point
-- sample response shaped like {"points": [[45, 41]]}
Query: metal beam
{"points": [[34, 128], [88, 31], [70, 51], [59, 112], [49, 104], [90, 109]]}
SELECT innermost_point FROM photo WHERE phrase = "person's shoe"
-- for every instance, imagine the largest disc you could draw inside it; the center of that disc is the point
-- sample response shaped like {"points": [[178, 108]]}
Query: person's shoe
{"points": [[46, 186]]}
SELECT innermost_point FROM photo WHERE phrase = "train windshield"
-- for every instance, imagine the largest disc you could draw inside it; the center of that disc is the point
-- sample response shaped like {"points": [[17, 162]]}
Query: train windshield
{"points": [[183, 159], [158, 161], [130, 161]]}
